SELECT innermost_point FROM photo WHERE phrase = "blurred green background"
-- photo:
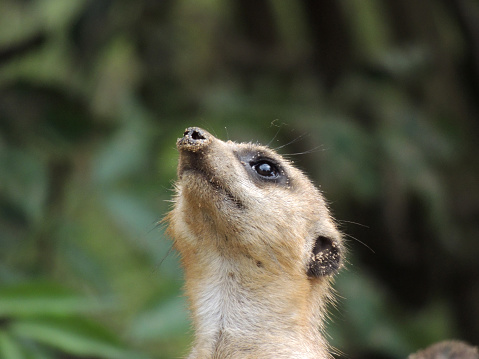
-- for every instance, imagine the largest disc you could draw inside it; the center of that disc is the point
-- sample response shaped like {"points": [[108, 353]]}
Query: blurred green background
{"points": [[377, 101]]}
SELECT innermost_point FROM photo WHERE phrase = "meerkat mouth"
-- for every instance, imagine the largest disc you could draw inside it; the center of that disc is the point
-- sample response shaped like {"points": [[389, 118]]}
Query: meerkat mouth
{"points": [[193, 147], [212, 182]]}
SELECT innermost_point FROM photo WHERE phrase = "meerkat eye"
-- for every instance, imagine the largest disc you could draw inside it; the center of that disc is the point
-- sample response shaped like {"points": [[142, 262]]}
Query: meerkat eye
{"points": [[265, 169]]}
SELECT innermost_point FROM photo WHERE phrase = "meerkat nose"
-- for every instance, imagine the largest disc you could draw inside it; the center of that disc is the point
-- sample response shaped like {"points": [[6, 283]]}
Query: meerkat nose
{"points": [[194, 139], [195, 133]]}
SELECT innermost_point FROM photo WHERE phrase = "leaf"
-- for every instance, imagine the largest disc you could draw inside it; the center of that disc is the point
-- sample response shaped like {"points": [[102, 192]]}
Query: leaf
{"points": [[33, 299], [23, 181], [131, 214], [162, 321], [125, 154], [79, 337], [9, 348]]}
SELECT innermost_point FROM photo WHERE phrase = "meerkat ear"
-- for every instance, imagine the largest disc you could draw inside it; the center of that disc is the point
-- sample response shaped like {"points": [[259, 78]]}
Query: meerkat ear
{"points": [[325, 258]]}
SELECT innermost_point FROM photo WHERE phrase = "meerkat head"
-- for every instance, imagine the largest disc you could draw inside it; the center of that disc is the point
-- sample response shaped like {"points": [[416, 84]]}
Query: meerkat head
{"points": [[246, 204]]}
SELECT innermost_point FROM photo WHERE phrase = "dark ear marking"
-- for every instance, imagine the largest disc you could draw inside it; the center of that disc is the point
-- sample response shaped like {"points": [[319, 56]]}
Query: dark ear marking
{"points": [[325, 258]]}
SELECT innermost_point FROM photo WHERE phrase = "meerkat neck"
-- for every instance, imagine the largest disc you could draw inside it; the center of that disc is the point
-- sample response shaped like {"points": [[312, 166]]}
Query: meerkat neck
{"points": [[234, 317]]}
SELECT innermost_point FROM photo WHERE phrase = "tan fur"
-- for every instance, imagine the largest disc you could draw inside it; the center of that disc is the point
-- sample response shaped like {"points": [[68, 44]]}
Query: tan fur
{"points": [[245, 246]]}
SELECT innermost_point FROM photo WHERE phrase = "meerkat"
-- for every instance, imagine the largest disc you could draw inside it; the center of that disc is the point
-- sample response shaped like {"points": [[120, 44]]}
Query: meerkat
{"points": [[449, 349], [259, 248]]}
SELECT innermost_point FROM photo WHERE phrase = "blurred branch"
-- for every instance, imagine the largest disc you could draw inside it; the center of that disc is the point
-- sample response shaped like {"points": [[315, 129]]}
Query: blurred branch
{"points": [[19, 49], [333, 53], [59, 171]]}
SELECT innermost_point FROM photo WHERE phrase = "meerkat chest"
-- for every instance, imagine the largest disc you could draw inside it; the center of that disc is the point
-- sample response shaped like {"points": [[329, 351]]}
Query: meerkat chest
{"points": [[222, 299], [233, 323]]}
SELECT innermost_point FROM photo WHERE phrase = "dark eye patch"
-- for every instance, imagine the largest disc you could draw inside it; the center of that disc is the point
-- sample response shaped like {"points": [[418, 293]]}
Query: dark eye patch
{"points": [[263, 169]]}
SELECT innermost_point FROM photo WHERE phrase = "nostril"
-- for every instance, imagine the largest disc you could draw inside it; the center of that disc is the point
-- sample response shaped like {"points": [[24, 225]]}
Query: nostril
{"points": [[194, 139], [196, 135]]}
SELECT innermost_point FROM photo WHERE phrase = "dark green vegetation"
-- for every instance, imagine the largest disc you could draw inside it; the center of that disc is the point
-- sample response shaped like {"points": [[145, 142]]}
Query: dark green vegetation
{"points": [[380, 97]]}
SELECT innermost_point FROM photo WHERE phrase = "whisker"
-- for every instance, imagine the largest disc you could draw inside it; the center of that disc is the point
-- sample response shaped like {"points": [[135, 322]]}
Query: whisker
{"points": [[165, 256], [300, 137], [157, 225], [212, 130], [312, 150], [276, 134], [361, 242], [227, 134], [356, 223], [208, 127]]}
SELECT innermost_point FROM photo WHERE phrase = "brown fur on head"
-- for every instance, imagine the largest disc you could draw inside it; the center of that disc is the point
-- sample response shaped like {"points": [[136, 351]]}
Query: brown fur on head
{"points": [[258, 246]]}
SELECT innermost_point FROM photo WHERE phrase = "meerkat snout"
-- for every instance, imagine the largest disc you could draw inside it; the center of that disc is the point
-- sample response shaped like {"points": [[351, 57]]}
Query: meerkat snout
{"points": [[258, 247], [193, 139]]}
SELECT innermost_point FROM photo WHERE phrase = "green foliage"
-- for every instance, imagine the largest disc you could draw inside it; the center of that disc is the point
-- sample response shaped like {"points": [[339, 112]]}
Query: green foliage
{"points": [[93, 95], [41, 319]]}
